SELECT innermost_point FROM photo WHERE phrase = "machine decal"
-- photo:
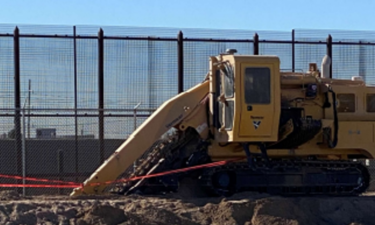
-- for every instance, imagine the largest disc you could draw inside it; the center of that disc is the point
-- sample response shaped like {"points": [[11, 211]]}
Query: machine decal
{"points": [[256, 123]]}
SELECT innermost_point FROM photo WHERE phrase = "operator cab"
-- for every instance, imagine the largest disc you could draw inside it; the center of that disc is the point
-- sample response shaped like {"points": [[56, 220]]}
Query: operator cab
{"points": [[246, 97]]}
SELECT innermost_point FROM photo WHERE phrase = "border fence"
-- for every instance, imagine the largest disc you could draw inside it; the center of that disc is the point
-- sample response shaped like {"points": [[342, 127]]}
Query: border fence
{"points": [[71, 95]]}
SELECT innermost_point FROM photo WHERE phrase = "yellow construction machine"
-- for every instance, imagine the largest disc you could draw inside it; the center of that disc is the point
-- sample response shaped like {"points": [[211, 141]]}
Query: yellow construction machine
{"points": [[296, 133]]}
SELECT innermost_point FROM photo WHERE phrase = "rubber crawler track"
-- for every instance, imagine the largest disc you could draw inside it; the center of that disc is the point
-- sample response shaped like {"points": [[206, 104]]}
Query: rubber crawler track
{"points": [[334, 168]]}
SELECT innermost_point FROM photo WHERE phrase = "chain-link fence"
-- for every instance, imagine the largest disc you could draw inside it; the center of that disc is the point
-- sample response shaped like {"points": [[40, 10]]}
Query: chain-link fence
{"points": [[69, 96]]}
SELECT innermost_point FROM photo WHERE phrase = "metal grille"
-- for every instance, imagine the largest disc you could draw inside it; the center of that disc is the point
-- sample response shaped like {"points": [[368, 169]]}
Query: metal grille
{"points": [[139, 71], [44, 62], [87, 74], [6, 83], [196, 57], [6, 71], [308, 53], [338, 35], [165, 32], [283, 51], [60, 85]]}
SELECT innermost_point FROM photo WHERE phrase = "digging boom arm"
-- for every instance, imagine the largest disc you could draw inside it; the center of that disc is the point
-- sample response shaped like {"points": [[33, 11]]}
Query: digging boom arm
{"points": [[179, 108]]}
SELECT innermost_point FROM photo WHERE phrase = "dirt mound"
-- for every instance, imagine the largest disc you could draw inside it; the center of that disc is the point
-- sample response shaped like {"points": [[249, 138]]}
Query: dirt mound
{"points": [[245, 208]]}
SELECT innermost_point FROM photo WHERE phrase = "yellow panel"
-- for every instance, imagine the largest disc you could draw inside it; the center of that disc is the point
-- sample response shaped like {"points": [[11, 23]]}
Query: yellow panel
{"points": [[355, 134], [257, 118], [364, 132]]}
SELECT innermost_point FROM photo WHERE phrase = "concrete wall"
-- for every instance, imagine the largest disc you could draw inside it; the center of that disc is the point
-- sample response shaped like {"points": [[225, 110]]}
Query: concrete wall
{"points": [[42, 160]]}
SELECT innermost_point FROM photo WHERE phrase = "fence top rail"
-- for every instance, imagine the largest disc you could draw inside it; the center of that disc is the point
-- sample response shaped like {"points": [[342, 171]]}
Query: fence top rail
{"points": [[270, 41], [81, 109]]}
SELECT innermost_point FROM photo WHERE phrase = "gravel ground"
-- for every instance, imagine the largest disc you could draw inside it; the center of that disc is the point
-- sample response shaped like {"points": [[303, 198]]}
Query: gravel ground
{"points": [[245, 208]]}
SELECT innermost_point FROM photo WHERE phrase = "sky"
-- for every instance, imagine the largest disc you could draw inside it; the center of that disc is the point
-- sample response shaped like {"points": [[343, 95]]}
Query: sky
{"points": [[278, 15]]}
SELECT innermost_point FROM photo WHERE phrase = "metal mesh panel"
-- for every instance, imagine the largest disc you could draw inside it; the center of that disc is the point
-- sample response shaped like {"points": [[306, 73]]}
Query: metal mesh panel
{"points": [[126, 73], [163, 32], [356, 59], [235, 34], [345, 61], [8, 161], [196, 55], [308, 53], [127, 31], [87, 73], [37, 29], [88, 148], [47, 167], [118, 127], [6, 84], [121, 127], [6, 72], [283, 51], [337, 35], [48, 64], [7, 28], [88, 156], [139, 71], [162, 64], [88, 126], [196, 58], [64, 126], [49, 136], [8, 153], [366, 63], [353, 60]]}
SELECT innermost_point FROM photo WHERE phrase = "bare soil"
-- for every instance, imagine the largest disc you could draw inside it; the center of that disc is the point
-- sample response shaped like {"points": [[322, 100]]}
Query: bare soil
{"points": [[245, 208]]}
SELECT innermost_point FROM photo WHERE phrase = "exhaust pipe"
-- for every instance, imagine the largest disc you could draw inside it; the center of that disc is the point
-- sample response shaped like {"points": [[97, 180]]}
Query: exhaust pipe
{"points": [[325, 67]]}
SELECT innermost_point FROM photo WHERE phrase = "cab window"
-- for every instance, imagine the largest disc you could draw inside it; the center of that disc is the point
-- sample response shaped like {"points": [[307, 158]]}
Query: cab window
{"points": [[257, 85], [370, 103], [228, 82], [346, 103]]}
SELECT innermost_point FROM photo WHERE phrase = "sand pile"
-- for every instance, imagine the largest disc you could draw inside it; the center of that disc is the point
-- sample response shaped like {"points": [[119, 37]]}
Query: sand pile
{"points": [[246, 208]]}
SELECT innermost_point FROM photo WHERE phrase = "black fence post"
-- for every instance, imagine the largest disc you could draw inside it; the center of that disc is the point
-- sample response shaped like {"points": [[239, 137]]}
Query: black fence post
{"points": [[180, 55], [101, 92], [60, 166], [17, 103], [75, 101], [329, 53], [293, 51], [362, 60], [256, 44]]}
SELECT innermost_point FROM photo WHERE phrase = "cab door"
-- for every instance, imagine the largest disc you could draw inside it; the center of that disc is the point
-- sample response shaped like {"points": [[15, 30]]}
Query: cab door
{"points": [[258, 101]]}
